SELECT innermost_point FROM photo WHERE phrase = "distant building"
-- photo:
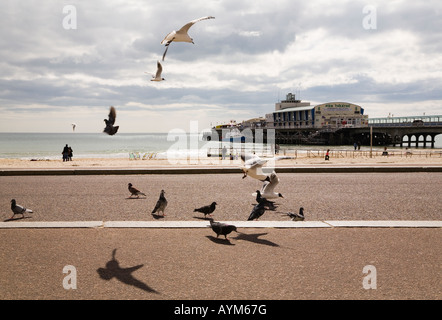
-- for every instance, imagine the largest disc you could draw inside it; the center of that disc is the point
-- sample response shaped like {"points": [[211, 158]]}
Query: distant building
{"points": [[293, 114]]}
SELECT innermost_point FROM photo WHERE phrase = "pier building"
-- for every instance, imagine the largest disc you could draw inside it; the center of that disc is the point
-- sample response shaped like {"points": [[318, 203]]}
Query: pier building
{"points": [[294, 114]]}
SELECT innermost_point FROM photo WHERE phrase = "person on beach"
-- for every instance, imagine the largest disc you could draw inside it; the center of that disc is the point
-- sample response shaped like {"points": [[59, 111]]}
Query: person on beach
{"points": [[224, 152], [70, 153], [65, 153], [327, 155]]}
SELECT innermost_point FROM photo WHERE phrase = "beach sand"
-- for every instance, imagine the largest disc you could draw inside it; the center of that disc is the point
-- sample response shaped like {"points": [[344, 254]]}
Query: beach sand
{"points": [[311, 158]]}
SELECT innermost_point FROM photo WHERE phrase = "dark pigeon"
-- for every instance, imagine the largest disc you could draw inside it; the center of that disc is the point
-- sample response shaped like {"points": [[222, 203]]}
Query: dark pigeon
{"points": [[222, 228], [110, 129], [161, 203], [134, 191], [207, 210], [17, 209], [257, 212], [270, 205]]}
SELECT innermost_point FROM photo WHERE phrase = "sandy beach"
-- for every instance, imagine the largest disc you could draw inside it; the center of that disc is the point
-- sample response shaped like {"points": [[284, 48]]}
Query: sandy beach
{"points": [[312, 158]]}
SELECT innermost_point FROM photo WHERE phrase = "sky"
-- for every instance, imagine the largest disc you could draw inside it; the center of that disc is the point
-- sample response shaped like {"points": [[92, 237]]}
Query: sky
{"points": [[64, 62]]}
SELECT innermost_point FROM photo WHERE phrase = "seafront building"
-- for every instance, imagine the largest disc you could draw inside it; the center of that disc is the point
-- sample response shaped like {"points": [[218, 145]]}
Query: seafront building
{"points": [[335, 123], [294, 114]]}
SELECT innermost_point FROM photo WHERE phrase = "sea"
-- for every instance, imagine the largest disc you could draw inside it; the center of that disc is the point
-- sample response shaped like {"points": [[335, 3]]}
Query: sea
{"points": [[39, 146]]}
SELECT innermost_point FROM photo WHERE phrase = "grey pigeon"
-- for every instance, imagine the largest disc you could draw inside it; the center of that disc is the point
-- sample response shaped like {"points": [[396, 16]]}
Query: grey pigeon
{"points": [[161, 203], [134, 191], [207, 210], [222, 228], [297, 216], [17, 209], [110, 129], [257, 212]]}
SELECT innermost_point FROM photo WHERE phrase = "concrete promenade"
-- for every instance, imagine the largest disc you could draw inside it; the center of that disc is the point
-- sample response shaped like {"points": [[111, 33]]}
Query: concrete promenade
{"points": [[85, 225]]}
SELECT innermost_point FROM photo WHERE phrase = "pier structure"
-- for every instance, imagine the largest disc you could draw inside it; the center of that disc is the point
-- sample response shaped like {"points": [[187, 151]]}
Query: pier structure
{"points": [[338, 123]]}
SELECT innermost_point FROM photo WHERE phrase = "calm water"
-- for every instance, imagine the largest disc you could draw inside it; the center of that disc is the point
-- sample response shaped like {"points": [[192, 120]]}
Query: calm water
{"points": [[99, 145]]}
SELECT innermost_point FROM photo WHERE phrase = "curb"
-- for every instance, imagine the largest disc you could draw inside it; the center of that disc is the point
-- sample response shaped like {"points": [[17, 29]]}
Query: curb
{"points": [[239, 224], [224, 170]]}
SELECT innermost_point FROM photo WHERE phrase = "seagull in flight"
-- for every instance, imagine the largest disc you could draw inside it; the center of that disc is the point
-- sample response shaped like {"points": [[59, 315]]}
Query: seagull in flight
{"points": [[253, 166], [157, 76], [267, 190], [181, 35]]}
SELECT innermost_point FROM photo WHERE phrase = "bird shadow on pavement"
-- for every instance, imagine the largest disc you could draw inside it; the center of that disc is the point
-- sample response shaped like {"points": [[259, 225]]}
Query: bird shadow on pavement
{"points": [[201, 218], [225, 242], [254, 237], [124, 275], [16, 219]]}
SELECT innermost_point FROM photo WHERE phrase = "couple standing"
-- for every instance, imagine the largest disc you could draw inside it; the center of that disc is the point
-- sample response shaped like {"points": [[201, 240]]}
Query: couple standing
{"points": [[67, 153]]}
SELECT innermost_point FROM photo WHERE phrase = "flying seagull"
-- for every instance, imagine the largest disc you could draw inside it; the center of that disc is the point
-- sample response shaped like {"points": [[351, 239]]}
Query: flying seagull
{"points": [[161, 203], [110, 128], [253, 166], [157, 76], [222, 228], [134, 191], [267, 190], [17, 209], [73, 126], [181, 35], [296, 216], [207, 210]]}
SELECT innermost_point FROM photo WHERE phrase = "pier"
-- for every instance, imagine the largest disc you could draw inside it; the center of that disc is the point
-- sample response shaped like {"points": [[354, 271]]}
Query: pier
{"points": [[411, 131]]}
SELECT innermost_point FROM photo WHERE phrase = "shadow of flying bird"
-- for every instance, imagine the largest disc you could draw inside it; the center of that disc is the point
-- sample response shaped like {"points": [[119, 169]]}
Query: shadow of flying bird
{"points": [[124, 275]]}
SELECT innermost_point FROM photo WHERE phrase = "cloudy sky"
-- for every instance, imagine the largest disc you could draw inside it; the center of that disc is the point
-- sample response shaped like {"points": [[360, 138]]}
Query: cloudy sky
{"points": [[55, 69]]}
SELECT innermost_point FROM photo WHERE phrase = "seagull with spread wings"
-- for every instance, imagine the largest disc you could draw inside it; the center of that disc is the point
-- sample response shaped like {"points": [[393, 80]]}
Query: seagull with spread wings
{"points": [[181, 35]]}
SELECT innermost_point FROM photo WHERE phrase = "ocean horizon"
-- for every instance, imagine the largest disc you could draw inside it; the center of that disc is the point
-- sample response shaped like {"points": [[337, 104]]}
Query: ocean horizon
{"points": [[98, 145]]}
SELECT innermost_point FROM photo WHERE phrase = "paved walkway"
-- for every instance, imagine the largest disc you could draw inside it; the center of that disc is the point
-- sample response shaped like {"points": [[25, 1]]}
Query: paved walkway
{"points": [[191, 263]]}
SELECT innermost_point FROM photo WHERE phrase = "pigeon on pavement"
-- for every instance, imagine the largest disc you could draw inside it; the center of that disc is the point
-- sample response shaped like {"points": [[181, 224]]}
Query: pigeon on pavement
{"points": [[207, 210], [297, 216], [17, 209], [222, 228], [161, 203], [257, 211], [134, 191]]}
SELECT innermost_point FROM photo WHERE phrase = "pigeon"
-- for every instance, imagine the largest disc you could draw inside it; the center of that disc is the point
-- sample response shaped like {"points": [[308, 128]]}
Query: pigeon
{"points": [[222, 228], [161, 203], [257, 212], [207, 210], [157, 76], [297, 216], [17, 209], [268, 187], [267, 203], [253, 166], [110, 129], [181, 35], [134, 191]]}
